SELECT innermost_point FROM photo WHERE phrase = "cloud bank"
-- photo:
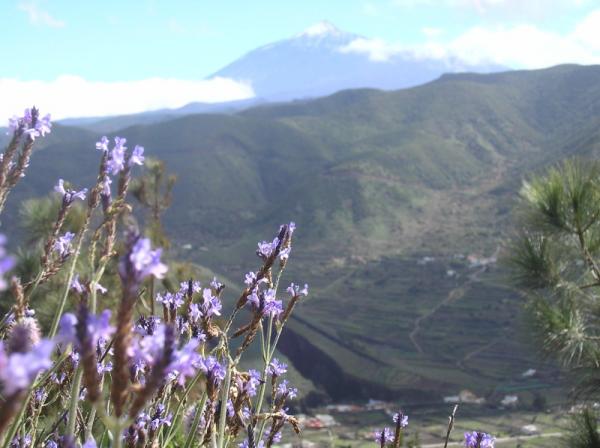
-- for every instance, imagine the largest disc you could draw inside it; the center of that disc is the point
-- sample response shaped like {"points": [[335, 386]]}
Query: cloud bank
{"points": [[73, 96], [38, 15], [517, 46]]}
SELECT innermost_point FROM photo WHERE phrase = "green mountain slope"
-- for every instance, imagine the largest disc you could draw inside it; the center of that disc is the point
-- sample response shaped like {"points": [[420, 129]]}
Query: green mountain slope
{"points": [[376, 181]]}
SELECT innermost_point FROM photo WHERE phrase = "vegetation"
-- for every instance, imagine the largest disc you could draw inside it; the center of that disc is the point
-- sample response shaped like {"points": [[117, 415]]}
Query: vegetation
{"points": [[89, 379], [555, 263], [138, 379], [376, 181]]}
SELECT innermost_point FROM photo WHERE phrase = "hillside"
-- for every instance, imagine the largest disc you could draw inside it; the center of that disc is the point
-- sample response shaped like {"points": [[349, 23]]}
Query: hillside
{"points": [[376, 181]]}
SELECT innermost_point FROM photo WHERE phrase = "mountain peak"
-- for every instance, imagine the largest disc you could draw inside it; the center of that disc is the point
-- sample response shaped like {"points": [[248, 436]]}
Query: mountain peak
{"points": [[321, 29]]}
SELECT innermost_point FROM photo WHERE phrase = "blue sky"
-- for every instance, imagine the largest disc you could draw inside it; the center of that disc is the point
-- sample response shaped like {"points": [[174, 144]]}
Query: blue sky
{"points": [[112, 40], [119, 42]]}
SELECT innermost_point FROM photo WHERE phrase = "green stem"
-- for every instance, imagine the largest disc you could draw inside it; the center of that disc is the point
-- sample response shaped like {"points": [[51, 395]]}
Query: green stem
{"points": [[176, 415], [116, 436], [224, 397], [15, 426], [74, 402], [197, 417], [63, 300], [267, 359]]}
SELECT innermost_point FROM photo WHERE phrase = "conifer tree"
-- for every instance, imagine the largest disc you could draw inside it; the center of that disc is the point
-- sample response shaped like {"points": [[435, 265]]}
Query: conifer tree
{"points": [[556, 263]]}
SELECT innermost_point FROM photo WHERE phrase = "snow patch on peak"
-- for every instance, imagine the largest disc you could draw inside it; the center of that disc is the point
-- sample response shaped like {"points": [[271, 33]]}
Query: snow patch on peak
{"points": [[321, 29]]}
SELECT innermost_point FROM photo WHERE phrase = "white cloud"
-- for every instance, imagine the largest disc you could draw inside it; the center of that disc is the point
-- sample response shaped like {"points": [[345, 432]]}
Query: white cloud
{"points": [[484, 6], [517, 46], [39, 16], [73, 96], [376, 49]]}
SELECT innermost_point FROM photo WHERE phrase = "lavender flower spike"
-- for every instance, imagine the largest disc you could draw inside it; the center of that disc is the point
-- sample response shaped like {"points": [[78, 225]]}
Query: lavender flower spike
{"points": [[18, 370], [137, 156], [116, 162], [6, 263], [102, 145], [69, 195], [146, 261], [277, 368], [384, 436], [401, 420], [63, 244], [477, 439]]}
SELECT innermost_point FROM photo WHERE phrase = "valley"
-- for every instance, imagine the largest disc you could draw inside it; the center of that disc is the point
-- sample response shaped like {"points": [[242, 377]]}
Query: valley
{"points": [[377, 182]]}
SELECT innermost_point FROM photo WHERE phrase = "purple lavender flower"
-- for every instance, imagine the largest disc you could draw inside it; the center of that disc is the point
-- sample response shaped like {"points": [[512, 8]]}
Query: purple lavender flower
{"points": [[384, 436], [69, 195], [77, 285], [63, 245], [246, 413], [216, 284], [291, 228], [265, 302], [101, 289], [253, 299], [477, 439], [32, 132], [211, 305], [265, 249], [24, 124], [104, 367], [184, 286], [39, 395], [283, 388], [145, 261], [277, 368], [148, 349], [401, 420], [98, 328], [81, 289], [147, 325], [230, 409], [250, 278], [21, 442], [271, 305], [137, 156], [294, 290], [186, 361], [102, 145], [170, 300], [246, 444], [44, 125], [253, 382], [6, 262], [159, 419], [18, 370], [28, 116], [91, 443], [276, 437], [116, 161], [213, 370], [195, 313]]}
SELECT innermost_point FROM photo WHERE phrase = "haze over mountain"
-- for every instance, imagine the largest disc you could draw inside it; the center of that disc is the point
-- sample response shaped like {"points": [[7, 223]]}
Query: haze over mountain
{"points": [[319, 61], [391, 191], [322, 60]]}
